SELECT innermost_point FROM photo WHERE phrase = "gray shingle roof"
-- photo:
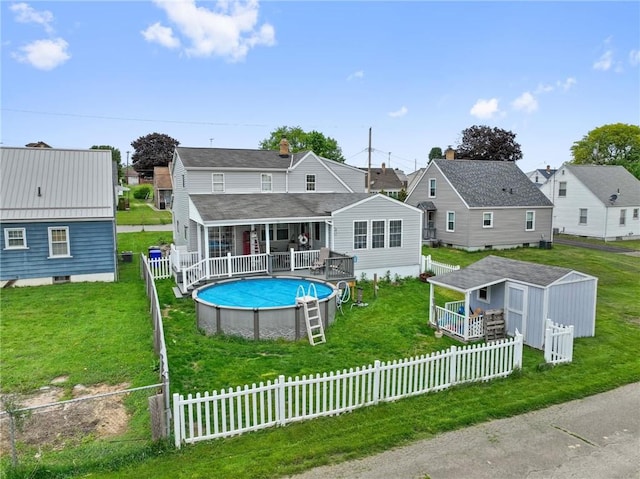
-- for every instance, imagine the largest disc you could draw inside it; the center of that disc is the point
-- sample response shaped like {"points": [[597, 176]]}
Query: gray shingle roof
{"points": [[492, 183], [604, 180], [233, 158], [494, 269], [271, 205], [54, 184], [386, 179]]}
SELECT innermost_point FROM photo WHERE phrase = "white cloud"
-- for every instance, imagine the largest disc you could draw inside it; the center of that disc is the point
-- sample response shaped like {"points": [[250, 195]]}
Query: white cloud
{"points": [[26, 14], [634, 57], [485, 108], [525, 102], [229, 30], [397, 114], [567, 84], [156, 33], [44, 54], [542, 88], [605, 61], [359, 74]]}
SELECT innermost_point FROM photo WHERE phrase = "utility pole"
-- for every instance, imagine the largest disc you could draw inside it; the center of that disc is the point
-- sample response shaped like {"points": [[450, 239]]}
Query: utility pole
{"points": [[211, 142], [369, 168]]}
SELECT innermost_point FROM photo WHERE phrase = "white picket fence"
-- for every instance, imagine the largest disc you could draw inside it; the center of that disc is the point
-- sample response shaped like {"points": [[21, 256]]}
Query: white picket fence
{"points": [[160, 267], [436, 267], [558, 343], [250, 408]]}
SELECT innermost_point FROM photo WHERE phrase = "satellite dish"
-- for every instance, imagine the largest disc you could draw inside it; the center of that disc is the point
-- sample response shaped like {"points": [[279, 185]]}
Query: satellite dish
{"points": [[613, 198]]}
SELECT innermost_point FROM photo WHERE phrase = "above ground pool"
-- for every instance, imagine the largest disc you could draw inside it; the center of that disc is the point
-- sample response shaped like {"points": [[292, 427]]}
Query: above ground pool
{"points": [[261, 308]]}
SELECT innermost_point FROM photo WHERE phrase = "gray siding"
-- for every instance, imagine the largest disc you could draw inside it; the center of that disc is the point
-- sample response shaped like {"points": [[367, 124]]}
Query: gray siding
{"points": [[534, 334], [380, 259], [180, 207], [572, 304], [326, 182], [508, 227], [352, 176], [91, 243], [200, 182]]}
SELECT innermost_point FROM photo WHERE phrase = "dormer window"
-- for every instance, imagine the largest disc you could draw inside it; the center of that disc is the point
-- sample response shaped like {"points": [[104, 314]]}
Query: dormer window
{"points": [[311, 183], [217, 182], [266, 182]]}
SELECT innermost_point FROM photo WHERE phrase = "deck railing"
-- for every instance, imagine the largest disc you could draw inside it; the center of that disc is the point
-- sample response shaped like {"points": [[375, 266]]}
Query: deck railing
{"points": [[460, 326]]}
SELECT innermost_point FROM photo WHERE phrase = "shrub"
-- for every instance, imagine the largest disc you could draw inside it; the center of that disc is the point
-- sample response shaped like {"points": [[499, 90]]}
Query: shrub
{"points": [[142, 192]]}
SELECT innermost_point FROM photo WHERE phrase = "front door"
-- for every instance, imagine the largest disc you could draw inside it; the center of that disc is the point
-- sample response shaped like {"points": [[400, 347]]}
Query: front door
{"points": [[516, 309], [429, 225]]}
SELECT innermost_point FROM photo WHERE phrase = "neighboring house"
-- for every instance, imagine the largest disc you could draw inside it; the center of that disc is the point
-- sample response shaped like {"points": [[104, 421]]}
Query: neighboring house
{"points": [[162, 187], [37, 144], [600, 201], [539, 176], [384, 180], [476, 205], [244, 202], [57, 214], [132, 176], [526, 293]]}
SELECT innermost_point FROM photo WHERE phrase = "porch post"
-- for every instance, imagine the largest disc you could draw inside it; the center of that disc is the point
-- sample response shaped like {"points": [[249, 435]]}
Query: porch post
{"points": [[431, 297], [199, 238], [466, 316], [267, 239], [206, 252]]}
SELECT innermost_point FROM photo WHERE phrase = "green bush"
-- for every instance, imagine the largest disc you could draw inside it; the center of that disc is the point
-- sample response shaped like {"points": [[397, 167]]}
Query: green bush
{"points": [[142, 192]]}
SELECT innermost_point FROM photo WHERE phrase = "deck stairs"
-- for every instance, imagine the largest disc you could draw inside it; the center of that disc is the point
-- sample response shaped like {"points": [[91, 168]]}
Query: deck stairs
{"points": [[311, 308]]}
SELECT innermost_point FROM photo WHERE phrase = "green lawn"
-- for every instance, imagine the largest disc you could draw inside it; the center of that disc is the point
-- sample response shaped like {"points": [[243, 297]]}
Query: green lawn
{"points": [[391, 327], [142, 212]]}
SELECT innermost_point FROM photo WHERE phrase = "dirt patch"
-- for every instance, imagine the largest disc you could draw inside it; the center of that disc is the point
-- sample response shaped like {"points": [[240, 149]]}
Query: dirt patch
{"points": [[65, 424]]}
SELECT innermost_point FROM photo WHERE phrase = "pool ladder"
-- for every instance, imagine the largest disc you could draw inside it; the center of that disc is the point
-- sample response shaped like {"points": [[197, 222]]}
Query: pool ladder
{"points": [[311, 308]]}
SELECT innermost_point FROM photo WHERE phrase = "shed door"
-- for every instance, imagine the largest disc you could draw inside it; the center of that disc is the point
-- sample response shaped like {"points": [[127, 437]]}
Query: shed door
{"points": [[516, 309]]}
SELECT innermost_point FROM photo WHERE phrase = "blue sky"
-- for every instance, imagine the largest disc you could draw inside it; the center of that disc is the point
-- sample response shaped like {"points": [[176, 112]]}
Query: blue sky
{"points": [[82, 73]]}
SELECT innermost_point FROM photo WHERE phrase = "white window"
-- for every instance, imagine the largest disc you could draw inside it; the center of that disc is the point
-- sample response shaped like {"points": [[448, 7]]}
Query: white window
{"points": [[487, 220], [562, 189], [311, 182], [432, 187], [635, 213], [623, 217], [59, 242], [266, 182], [530, 221], [395, 233], [359, 235], [583, 216], [281, 232], [217, 182], [451, 220], [483, 295], [15, 238], [377, 234]]}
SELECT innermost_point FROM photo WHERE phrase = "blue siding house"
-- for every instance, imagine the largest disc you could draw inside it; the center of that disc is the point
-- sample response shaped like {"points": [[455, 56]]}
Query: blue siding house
{"points": [[57, 216]]}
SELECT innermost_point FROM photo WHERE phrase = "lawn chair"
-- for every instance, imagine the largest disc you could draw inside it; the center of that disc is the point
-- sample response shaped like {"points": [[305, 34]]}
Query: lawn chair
{"points": [[319, 264]]}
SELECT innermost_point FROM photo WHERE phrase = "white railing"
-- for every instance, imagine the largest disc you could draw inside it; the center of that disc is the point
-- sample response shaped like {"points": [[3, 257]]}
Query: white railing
{"points": [[304, 259], [182, 259], [558, 343], [436, 267], [224, 266], [160, 267], [250, 408], [459, 325]]}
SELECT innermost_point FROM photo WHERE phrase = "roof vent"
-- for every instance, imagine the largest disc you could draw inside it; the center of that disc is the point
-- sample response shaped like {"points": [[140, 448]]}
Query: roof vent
{"points": [[613, 198]]}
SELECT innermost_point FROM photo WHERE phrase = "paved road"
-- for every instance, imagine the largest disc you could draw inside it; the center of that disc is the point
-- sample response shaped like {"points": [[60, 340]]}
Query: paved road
{"points": [[595, 437], [137, 228]]}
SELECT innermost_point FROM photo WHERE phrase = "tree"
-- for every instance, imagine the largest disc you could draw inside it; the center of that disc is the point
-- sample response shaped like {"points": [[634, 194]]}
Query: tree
{"points": [[614, 144], [154, 149], [489, 144], [115, 156], [299, 140], [436, 153]]}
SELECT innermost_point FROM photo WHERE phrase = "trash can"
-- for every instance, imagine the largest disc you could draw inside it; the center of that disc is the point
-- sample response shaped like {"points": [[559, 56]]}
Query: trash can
{"points": [[155, 254], [127, 256]]}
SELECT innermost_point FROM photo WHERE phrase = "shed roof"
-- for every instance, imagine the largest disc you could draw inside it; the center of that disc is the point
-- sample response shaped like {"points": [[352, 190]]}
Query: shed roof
{"points": [[495, 269], [261, 206], [233, 158], [605, 180], [485, 184], [54, 184], [162, 178]]}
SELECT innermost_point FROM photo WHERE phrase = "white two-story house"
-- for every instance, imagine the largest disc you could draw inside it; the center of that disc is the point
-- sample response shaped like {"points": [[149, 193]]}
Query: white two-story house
{"points": [[247, 202]]}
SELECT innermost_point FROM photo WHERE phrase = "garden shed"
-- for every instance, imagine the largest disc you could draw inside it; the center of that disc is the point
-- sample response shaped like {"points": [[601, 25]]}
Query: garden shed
{"points": [[525, 294]]}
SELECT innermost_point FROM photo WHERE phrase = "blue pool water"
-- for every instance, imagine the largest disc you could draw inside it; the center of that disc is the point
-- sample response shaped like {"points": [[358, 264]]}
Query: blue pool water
{"points": [[260, 292]]}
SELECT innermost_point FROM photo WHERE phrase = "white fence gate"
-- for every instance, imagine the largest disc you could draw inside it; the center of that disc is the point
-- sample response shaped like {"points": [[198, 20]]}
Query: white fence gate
{"points": [[160, 267], [558, 343], [436, 267], [250, 408]]}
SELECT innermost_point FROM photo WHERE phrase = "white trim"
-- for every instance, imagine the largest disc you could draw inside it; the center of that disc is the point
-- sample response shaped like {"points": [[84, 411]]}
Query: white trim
{"points": [[213, 183], [487, 300], [269, 178], [384, 233], [7, 246], [533, 220], [450, 230], [366, 235], [490, 213], [435, 188], [67, 242], [306, 182], [401, 232]]}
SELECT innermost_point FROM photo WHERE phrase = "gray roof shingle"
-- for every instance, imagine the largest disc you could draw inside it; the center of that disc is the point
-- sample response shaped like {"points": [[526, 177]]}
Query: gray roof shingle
{"points": [[604, 180], [492, 183], [233, 158]]}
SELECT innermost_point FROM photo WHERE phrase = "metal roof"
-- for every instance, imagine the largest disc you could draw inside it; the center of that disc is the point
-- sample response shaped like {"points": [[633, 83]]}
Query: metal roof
{"points": [[233, 158], [484, 184], [55, 184], [605, 180], [495, 269], [261, 206]]}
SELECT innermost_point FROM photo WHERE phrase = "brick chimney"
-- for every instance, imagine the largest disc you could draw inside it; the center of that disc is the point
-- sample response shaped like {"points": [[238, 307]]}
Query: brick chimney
{"points": [[384, 168], [548, 168], [450, 153], [284, 147]]}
